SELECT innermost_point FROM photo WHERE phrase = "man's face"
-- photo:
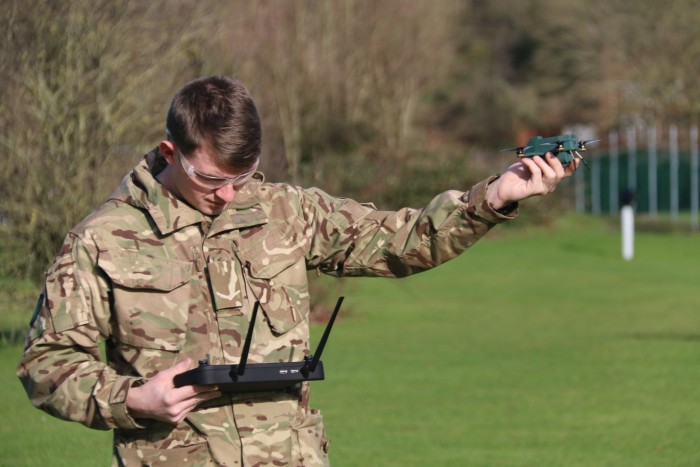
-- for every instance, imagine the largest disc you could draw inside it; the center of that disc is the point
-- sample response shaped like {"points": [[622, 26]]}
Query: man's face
{"points": [[200, 181]]}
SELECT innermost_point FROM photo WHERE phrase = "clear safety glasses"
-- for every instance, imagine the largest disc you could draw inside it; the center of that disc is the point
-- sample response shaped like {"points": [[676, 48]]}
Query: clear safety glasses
{"points": [[210, 181]]}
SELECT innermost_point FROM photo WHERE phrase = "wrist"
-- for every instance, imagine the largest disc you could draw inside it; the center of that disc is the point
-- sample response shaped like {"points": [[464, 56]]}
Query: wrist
{"points": [[507, 209], [134, 400], [492, 197]]}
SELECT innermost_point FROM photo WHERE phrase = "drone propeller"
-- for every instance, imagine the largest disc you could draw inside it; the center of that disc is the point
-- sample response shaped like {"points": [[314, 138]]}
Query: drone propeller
{"points": [[582, 144], [520, 150]]}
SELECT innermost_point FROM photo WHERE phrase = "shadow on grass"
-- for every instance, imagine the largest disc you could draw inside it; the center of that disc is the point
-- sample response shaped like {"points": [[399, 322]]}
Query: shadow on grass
{"points": [[663, 336]]}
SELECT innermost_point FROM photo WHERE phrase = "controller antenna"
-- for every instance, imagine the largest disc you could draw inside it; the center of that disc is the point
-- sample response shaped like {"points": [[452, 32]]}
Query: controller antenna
{"points": [[248, 339]]}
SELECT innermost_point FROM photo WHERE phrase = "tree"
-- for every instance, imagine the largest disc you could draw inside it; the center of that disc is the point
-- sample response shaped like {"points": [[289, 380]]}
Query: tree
{"points": [[337, 82], [73, 111]]}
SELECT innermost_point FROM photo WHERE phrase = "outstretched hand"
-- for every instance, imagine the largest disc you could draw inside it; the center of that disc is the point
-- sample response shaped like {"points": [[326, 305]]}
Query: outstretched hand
{"points": [[528, 177], [159, 399]]}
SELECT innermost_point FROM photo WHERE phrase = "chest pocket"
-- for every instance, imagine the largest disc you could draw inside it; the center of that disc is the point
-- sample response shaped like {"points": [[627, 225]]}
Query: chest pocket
{"points": [[150, 298], [277, 278]]}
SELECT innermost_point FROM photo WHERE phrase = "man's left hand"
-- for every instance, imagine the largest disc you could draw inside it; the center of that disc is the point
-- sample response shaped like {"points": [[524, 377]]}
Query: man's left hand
{"points": [[528, 177]]}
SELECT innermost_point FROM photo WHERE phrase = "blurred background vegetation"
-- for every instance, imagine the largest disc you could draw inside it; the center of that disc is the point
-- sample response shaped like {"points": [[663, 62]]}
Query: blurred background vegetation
{"points": [[384, 101]]}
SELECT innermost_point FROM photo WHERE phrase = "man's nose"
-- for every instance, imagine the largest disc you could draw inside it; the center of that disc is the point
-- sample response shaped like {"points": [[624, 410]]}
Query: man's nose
{"points": [[226, 193]]}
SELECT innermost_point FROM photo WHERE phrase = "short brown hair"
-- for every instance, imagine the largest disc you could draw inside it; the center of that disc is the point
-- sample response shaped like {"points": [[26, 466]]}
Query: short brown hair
{"points": [[219, 112]]}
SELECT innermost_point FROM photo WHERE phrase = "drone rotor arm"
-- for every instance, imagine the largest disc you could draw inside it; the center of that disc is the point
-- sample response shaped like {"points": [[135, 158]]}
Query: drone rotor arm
{"points": [[585, 164]]}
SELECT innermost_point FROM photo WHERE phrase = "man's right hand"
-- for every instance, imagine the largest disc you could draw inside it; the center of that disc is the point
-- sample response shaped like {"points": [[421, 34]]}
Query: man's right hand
{"points": [[159, 399]]}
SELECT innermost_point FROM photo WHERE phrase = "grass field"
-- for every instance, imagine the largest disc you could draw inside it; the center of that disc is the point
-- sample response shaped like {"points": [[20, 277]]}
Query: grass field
{"points": [[536, 348]]}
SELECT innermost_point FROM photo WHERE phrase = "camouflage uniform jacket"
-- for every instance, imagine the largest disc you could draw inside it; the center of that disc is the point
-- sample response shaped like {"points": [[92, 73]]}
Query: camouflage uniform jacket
{"points": [[158, 281]]}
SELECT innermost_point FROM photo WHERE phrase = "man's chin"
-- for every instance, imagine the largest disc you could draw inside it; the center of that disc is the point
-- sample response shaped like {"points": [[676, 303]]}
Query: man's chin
{"points": [[213, 209]]}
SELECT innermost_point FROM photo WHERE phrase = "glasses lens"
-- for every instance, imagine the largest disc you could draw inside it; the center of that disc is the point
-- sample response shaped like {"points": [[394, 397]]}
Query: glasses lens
{"points": [[211, 182]]}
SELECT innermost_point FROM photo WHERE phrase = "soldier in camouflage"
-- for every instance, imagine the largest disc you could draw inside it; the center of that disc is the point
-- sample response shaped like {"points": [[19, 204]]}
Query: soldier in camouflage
{"points": [[166, 272]]}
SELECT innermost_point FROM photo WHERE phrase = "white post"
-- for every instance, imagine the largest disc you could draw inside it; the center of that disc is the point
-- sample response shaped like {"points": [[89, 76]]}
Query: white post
{"points": [[627, 225]]}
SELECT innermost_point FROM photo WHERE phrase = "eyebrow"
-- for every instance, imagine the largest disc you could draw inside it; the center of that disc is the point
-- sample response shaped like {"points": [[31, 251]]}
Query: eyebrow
{"points": [[242, 174], [252, 169]]}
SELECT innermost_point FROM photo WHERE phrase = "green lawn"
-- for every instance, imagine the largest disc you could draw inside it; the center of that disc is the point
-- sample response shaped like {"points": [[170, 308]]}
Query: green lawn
{"points": [[541, 348], [28, 436], [32, 438]]}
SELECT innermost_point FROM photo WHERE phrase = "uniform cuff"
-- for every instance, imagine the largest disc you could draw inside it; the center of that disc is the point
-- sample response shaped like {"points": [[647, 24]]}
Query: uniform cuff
{"points": [[117, 402], [478, 207]]}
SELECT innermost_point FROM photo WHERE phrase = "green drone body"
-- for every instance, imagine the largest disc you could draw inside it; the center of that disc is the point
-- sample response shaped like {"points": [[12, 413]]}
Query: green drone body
{"points": [[565, 147]]}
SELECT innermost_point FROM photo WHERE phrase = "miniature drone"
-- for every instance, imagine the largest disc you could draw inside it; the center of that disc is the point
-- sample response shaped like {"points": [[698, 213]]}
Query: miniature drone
{"points": [[565, 147]]}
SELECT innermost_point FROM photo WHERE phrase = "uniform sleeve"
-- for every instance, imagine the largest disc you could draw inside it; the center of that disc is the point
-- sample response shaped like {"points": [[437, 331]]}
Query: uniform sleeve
{"points": [[62, 369], [353, 239]]}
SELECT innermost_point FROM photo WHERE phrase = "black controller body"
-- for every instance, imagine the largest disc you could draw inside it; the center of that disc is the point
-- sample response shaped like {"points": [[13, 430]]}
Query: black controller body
{"points": [[256, 377]]}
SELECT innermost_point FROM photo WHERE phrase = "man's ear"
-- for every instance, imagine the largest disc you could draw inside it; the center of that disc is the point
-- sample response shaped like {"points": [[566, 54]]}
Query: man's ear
{"points": [[167, 149]]}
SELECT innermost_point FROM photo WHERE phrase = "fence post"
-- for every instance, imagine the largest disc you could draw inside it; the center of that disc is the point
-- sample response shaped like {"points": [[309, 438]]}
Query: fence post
{"points": [[653, 187], [614, 194], [595, 186], [694, 182], [632, 159], [580, 189], [673, 177]]}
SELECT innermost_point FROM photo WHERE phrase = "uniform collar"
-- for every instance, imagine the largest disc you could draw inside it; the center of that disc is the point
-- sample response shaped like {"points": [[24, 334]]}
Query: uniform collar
{"points": [[140, 189]]}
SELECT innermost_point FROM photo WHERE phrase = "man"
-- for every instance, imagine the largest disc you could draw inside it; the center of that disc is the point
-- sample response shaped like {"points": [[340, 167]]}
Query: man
{"points": [[167, 271]]}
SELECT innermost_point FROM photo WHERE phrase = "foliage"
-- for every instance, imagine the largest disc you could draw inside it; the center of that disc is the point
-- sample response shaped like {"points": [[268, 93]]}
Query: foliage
{"points": [[366, 99], [652, 51], [334, 81], [73, 112]]}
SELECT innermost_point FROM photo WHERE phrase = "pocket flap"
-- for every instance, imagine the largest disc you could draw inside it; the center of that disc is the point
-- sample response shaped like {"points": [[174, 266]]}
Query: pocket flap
{"points": [[134, 270], [271, 256]]}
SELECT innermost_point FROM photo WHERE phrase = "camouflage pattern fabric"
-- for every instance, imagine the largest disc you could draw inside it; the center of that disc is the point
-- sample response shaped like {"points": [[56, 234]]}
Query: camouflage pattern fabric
{"points": [[159, 281]]}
